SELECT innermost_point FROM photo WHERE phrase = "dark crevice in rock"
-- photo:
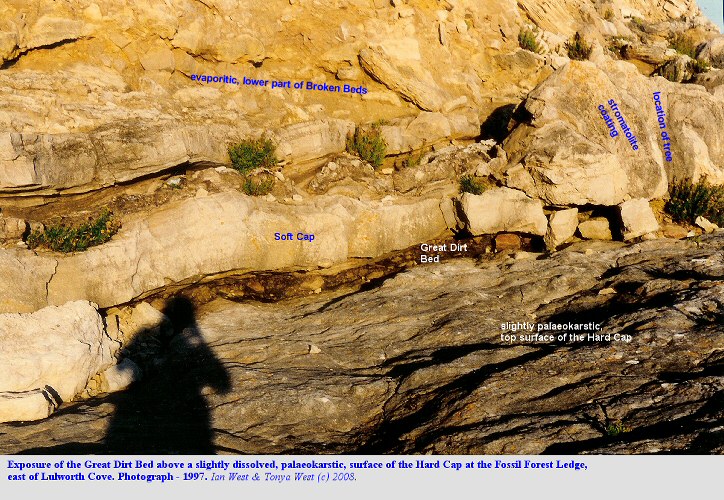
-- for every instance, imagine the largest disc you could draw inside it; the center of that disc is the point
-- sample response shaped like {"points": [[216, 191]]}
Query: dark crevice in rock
{"points": [[12, 61], [693, 424]]}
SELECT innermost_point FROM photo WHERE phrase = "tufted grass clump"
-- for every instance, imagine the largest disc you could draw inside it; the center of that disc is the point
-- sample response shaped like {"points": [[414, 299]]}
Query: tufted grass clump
{"points": [[253, 153], [638, 22], [688, 200], [469, 184], [66, 238], [683, 44], [608, 15], [578, 48], [261, 187], [527, 41], [368, 145]]}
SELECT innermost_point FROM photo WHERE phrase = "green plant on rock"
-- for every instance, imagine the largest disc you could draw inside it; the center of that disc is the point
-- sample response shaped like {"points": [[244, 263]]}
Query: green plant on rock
{"points": [[368, 144], [527, 40], [578, 48], [613, 429], [638, 22], [253, 153], [689, 200], [469, 184], [683, 44], [608, 15], [260, 187], [62, 238], [700, 66]]}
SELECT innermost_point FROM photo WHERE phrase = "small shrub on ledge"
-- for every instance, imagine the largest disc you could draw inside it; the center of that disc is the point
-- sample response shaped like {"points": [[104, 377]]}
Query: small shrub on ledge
{"points": [[527, 41], [368, 145], [578, 48], [683, 44], [261, 187], [250, 154], [688, 200], [469, 184], [62, 238]]}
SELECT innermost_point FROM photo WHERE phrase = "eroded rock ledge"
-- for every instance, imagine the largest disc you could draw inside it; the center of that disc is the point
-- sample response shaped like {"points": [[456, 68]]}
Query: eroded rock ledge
{"points": [[418, 365], [222, 232]]}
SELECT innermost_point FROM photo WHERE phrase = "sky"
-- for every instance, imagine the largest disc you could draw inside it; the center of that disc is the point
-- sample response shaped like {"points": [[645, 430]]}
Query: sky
{"points": [[713, 10]]}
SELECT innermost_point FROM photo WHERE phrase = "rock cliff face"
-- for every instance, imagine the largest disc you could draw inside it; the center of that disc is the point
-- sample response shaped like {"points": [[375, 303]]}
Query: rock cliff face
{"points": [[132, 106], [96, 93], [331, 376], [570, 157]]}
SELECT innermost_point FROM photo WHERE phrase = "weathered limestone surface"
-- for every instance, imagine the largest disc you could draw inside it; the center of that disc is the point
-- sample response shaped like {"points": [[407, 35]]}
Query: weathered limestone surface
{"points": [[97, 92], [637, 219], [561, 226], [186, 240], [56, 351], [566, 147], [24, 277], [131, 149], [503, 209], [415, 367], [596, 228]]}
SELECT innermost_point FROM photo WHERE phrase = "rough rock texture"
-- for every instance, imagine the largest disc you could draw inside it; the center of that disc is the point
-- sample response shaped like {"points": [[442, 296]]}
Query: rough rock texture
{"points": [[56, 350], [34, 272], [219, 233], [128, 150], [410, 82], [565, 146], [561, 226], [713, 52], [97, 92], [446, 164], [503, 209], [415, 367], [597, 228], [637, 219]]}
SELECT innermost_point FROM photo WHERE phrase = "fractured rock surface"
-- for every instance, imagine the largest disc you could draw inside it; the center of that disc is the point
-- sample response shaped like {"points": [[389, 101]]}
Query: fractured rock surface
{"points": [[418, 365], [48, 357]]}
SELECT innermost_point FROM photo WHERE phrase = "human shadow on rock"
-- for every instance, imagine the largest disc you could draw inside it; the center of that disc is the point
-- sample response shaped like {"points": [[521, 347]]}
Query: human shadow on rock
{"points": [[166, 412]]}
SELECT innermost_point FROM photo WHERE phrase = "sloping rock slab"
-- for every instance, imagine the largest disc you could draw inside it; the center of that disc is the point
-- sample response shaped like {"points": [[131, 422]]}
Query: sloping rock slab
{"points": [[418, 366]]}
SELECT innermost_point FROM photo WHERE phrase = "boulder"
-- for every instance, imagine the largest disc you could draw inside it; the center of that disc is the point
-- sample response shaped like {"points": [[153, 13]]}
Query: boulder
{"points": [[507, 241], [26, 406], [705, 224], [674, 231], [651, 54], [565, 143], [597, 228], [12, 228], [637, 219], [406, 77], [562, 225], [713, 52], [503, 210], [57, 349]]}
